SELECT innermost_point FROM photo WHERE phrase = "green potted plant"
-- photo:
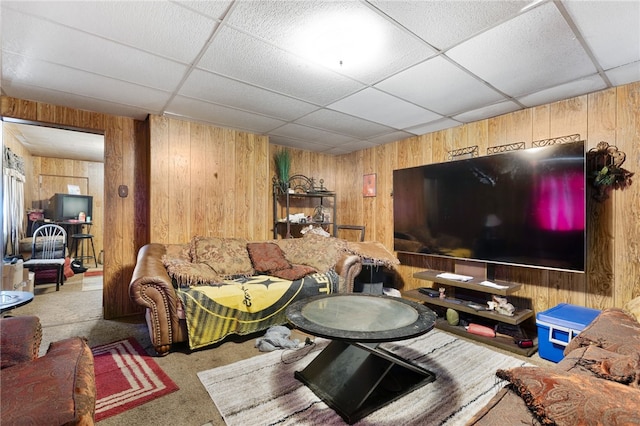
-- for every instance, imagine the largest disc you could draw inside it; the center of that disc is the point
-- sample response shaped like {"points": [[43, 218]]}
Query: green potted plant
{"points": [[282, 159]]}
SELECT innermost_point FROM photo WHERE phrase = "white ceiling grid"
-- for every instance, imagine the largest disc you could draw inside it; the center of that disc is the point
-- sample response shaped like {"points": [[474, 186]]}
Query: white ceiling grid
{"points": [[251, 65]]}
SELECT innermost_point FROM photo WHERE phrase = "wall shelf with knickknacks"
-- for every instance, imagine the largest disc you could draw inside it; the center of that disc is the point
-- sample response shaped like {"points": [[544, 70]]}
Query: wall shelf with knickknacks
{"points": [[303, 194]]}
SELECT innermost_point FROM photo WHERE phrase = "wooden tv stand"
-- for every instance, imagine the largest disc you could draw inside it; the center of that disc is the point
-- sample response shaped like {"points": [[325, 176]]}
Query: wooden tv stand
{"points": [[460, 305]]}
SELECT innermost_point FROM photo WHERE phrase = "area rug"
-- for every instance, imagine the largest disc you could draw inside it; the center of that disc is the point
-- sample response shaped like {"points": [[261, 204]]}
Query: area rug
{"points": [[92, 283], [263, 391], [93, 273], [126, 377]]}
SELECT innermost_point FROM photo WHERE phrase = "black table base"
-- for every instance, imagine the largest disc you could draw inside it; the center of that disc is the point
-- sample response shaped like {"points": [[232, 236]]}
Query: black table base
{"points": [[355, 379]]}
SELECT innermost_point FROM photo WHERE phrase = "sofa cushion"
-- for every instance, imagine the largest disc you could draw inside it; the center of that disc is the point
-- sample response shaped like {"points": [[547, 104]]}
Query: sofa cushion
{"points": [[317, 251], [632, 308], [226, 256], [612, 330], [267, 257], [562, 398], [598, 362]]}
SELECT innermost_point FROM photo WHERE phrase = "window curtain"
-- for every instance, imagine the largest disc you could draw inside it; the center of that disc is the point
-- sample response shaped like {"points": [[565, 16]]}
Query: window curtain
{"points": [[13, 201]]}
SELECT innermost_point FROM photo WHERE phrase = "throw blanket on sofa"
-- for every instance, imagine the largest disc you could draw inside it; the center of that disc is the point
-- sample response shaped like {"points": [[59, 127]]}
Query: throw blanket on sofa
{"points": [[246, 305]]}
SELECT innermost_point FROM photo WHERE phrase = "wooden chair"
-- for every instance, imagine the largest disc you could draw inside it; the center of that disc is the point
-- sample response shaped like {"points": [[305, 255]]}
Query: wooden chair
{"points": [[48, 250], [353, 228]]}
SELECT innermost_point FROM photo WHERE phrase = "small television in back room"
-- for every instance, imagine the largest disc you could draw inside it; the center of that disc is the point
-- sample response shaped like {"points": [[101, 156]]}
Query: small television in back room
{"points": [[68, 206], [525, 208]]}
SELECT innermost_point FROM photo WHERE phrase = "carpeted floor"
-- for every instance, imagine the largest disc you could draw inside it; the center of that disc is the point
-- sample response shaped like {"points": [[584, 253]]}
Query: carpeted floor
{"points": [[73, 312], [465, 382]]}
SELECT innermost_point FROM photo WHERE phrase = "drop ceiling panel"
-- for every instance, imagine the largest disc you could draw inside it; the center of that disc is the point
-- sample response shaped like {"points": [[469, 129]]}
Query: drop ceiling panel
{"points": [[152, 26], [564, 91], [256, 62], [374, 105], [624, 74], [50, 42], [297, 131], [445, 23], [321, 32], [344, 124], [440, 86], [21, 70], [487, 111], [526, 54], [221, 116], [624, 35], [221, 90]]}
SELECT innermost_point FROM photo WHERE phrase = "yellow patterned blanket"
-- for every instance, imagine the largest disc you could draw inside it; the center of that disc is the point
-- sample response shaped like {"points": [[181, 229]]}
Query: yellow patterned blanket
{"points": [[246, 305]]}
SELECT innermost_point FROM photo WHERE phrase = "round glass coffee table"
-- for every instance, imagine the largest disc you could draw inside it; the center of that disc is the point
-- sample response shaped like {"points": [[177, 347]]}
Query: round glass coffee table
{"points": [[353, 375]]}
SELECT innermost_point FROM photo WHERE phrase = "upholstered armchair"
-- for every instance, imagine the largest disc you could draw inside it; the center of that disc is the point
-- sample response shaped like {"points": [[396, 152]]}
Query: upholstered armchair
{"points": [[55, 389]]}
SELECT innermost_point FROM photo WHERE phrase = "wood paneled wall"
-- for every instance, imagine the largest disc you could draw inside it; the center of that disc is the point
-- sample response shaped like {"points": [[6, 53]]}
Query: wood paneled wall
{"points": [[613, 115], [189, 179], [126, 159]]}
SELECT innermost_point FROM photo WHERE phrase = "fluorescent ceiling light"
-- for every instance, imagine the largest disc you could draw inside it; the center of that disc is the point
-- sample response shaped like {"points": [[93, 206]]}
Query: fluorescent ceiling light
{"points": [[341, 42]]}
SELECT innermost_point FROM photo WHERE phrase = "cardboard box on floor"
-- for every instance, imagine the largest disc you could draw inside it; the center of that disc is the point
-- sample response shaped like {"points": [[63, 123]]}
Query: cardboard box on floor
{"points": [[16, 278]]}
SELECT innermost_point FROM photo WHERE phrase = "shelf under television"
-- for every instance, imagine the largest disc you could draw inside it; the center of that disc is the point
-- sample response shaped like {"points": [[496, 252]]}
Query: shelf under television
{"points": [[473, 284]]}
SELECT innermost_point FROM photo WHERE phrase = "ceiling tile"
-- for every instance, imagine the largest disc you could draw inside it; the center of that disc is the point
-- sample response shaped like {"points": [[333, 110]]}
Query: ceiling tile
{"points": [[440, 86], [623, 30], [389, 137], [21, 70], [159, 32], [304, 144], [445, 23], [487, 112], [248, 59], [342, 123], [224, 91], [534, 51], [297, 131], [624, 74], [564, 91], [221, 116], [72, 100], [374, 105], [47, 41], [345, 36], [434, 126]]}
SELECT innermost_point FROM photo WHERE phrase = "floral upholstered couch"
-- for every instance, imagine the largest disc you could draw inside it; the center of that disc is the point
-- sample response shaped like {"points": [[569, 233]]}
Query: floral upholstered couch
{"points": [[597, 382], [211, 287]]}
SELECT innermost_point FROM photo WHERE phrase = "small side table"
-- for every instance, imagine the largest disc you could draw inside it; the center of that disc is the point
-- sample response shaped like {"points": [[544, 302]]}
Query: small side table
{"points": [[12, 299]]}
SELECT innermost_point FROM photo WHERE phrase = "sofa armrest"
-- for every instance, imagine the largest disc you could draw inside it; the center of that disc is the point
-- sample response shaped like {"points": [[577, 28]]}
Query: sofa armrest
{"points": [[348, 268], [20, 339], [152, 288]]}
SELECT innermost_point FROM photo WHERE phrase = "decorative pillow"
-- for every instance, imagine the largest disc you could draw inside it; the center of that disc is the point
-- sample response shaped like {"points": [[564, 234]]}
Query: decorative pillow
{"points": [[187, 274], [321, 253], [295, 272], [623, 369], [267, 257], [562, 398], [226, 256]]}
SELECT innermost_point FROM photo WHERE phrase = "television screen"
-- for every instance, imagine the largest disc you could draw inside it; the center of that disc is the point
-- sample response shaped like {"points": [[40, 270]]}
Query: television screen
{"points": [[524, 207], [68, 206]]}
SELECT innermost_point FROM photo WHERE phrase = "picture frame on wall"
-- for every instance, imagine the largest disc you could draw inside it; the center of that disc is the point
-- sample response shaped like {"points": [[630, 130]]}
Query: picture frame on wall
{"points": [[369, 185]]}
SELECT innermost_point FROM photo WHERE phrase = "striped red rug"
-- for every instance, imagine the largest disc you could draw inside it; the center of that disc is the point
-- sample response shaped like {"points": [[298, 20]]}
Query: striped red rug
{"points": [[126, 377]]}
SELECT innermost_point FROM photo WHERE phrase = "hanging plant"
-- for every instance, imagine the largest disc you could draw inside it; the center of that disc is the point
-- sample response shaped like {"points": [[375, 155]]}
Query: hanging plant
{"points": [[604, 162], [282, 159]]}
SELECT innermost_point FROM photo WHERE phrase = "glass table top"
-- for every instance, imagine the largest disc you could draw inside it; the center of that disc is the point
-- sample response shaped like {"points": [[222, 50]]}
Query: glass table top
{"points": [[361, 317]]}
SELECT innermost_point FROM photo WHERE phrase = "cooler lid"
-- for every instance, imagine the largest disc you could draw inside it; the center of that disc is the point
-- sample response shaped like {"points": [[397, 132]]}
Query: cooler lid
{"points": [[568, 316]]}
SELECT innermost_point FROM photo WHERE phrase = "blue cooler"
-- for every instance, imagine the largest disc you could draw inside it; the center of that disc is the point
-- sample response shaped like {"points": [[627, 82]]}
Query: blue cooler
{"points": [[558, 325]]}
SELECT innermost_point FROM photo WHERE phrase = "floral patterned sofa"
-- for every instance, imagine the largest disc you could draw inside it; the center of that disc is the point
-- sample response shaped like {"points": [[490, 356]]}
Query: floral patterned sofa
{"points": [[597, 382], [202, 291]]}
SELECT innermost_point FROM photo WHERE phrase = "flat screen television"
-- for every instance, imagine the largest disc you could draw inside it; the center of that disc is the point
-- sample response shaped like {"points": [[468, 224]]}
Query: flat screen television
{"points": [[67, 206], [525, 208]]}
